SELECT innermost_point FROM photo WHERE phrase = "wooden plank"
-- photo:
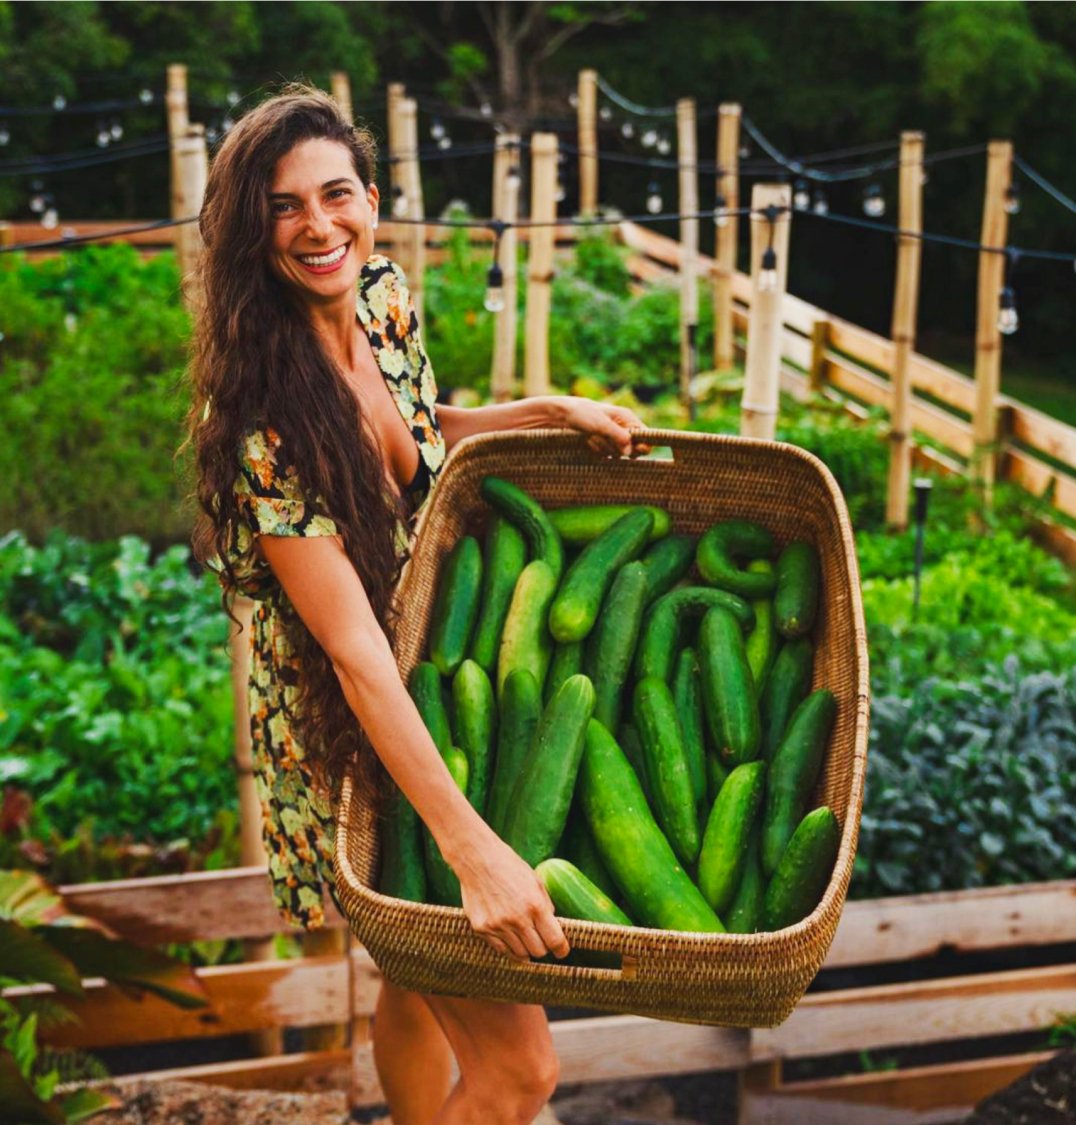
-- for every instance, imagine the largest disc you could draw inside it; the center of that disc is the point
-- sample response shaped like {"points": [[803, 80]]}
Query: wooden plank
{"points": [[1036, 476], [864, 347], [943, 383], [902, 929], [1043, 433], [275, 1072], [921, 1012]]}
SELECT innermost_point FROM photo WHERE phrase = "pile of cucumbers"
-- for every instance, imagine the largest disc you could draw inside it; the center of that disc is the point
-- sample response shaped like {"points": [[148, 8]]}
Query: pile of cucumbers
{"points": [[636, 721]]}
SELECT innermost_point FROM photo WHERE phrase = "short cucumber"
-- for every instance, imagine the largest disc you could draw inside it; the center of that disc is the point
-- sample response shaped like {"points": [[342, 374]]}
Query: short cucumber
{"points": [[525, 641], [722, 545], [745, 910], [656, 889], [661, 628], [475, 714], [441, 879], [761, 642], [575, 896], [611, 645], [528, 515], [455, 607], [542, 795], [425, 688], [578, 847], [728, 694], [521, 708], [724, 847], [802, 875], [794, 773], [666, 562], [581, 524], [567, 660], [654, 716], [403, 874], [579, 598], [787, 685], [795, 602], [688, 698], [505, 557]]}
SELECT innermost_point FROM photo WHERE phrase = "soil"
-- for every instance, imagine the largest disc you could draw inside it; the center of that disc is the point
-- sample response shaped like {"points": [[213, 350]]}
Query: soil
{"points": [[1044, 1096]]}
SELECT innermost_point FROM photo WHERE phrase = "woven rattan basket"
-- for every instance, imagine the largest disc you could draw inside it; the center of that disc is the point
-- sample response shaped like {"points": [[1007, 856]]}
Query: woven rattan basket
{"points": [[732, 980]]}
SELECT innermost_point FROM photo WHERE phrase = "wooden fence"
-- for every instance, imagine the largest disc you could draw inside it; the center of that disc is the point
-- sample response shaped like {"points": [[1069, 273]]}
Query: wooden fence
{"points": [[313, 991]]}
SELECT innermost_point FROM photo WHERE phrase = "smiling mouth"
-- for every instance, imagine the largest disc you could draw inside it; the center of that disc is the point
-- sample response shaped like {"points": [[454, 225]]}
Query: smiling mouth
{"points": [[323, 263]]}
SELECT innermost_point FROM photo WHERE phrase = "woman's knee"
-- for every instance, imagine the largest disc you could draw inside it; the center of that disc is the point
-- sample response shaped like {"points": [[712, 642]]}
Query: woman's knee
{"points": [[522, 1075]]}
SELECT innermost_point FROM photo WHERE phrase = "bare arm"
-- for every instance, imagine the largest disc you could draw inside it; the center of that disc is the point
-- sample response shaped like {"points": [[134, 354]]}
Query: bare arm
{"points": [[503, 898]]}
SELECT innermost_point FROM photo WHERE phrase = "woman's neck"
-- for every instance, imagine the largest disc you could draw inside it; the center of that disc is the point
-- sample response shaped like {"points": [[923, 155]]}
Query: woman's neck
{"points": [[336, 328]]}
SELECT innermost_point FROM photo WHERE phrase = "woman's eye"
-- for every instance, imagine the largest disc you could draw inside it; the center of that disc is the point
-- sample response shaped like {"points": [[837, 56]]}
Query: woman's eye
{"points": [[280, 207]]}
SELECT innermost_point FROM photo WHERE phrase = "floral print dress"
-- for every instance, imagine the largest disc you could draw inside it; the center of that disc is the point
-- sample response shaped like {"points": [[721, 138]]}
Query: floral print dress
{"points": [[297, 818]]}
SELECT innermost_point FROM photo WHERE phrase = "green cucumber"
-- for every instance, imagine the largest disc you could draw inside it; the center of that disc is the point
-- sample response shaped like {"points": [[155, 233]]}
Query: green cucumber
{"points": [[578, 847], [455, 607], [654, 716], [656, 889], [761, 642], [441, 879], [475, 715], [688, 697], [795, 602], [528, 515], [403, 874], [745, 910], [576, 606], [724, 847], [538, 808], [425, 688], [666, 562], [786, 687], [631, 744], [802, 875], [567, 660], [728, 693], [661, 629], [581, 524], [575, 896], [611, 645], [506, 555], [725, 542], [716, 773], [521, 708], [794, 773], [525, 641]]}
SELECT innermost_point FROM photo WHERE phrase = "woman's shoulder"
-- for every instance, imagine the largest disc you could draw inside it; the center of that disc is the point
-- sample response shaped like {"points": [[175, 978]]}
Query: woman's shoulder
{"points": [[380, 272], [262, 464]]}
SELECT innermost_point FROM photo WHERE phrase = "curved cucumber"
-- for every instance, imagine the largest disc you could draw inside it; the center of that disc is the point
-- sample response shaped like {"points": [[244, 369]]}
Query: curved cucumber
{"points": [[661, 629], [688, 698], [442, 881], [581, 524], [787, 686], [505, 557], [455, 607], [641, 861], [475, 715], [576, 606], [801, 877], [666, 562], [725, 542], [528, 515], [728, 694], [567, 660], [425, 688], [724, 847], [521, 708], [795, 602], [611, 645], [761, 642], [745, 910], [575, 896], [525, 641], [403, 874]]}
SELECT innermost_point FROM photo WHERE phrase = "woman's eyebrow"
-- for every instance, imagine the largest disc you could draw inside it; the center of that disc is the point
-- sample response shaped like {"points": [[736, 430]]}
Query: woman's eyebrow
{"points": [[324, 187]]}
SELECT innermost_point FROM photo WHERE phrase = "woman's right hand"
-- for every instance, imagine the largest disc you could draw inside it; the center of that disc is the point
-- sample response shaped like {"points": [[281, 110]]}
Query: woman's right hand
{"points": [[506, 903]]}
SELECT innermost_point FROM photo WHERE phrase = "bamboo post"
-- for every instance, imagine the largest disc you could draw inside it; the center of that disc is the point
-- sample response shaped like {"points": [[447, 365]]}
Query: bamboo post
{"points": [[506, 184], [816, 376], [540, 264], [588, 142], [340, 85], [175, 102], [905, 312], [415, 236], [995, 232], [689, 249], [192, 165], [762, 367], [728, 189], [398, 204], [269, 1041], [7, 233]]}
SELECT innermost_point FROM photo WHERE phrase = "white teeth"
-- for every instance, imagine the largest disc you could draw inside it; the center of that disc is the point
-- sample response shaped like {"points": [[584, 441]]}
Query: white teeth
{"points": [[324, 259]]}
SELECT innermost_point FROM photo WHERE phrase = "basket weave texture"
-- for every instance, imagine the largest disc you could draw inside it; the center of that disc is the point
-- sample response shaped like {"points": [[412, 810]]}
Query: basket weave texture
{"points": [[731, 980]]}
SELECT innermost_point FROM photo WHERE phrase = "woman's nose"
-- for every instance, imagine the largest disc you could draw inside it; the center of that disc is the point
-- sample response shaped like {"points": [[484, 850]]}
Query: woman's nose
{"points": [[318, 222]]}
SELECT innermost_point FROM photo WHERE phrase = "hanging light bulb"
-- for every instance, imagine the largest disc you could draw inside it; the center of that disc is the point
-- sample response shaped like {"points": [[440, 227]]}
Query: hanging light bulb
{"points": [[649, 138], [145, 95], [924, 177], [767, 278], [399, 202], [873, 201], [627, 130], [37, 203], [116, 129], [513, 176], [720, 218], [745, 151], [821, 204], [653, 198], [226, 124], [444, 142], [212, 133], [1012, 199], [70, 321], [664, 146], [50, 220], [104, 137], [494, 301], [5, 134], [606, 113], [486, 109], [573, 100], [1008, 317], [59, 102], [437, 129], [233, 97], [801, 196], [559, 194]]}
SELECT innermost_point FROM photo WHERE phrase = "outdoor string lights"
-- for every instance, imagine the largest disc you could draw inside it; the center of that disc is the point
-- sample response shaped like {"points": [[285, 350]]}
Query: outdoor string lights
{"points": [[767, 277]]}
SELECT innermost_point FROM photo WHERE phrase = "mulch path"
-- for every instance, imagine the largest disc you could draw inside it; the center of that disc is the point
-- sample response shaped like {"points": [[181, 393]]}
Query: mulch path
{"points": [[1044, 1096]]}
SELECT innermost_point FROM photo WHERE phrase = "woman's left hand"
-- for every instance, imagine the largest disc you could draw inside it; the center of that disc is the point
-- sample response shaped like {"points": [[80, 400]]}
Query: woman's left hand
{"points": [[608, 428]]}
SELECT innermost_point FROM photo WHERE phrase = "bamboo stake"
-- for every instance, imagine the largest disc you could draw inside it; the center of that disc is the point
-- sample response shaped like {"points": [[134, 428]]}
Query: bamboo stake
{"points": [[341, 91], [995, 232], [7, 233], [588, 142], [416, 232], [398, 205], [689, 250], [175, 102], [506, 207], [728, 189], [905, 312], [192, 165], [762, 367], [540, 266]]}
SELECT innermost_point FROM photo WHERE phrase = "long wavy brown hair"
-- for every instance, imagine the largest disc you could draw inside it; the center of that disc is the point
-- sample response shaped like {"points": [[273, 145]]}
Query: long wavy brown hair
{"points": [[257, 362]]}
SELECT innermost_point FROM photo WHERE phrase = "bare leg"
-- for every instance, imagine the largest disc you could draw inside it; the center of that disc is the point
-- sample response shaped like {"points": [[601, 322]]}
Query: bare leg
{"points": [[412, 1056]]}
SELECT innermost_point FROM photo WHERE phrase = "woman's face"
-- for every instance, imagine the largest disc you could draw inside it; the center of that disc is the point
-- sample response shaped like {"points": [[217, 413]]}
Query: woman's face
{"points": [[323, 221]]}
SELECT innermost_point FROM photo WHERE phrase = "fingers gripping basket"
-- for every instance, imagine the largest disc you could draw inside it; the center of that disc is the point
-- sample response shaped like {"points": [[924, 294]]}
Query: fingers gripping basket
{"points": [[732, 980]]}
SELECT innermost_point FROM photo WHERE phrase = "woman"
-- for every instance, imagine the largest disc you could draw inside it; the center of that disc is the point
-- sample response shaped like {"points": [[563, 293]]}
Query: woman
{"points": [[316, 436]]}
